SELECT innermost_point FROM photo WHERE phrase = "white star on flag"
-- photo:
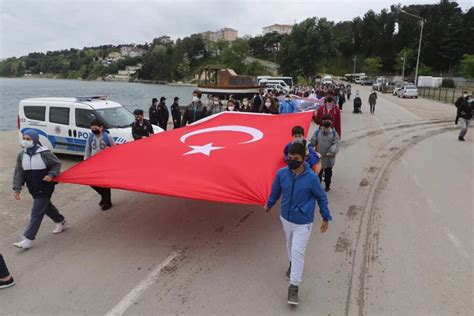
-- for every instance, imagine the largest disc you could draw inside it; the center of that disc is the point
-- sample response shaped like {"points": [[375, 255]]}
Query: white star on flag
{"points": [[205, 149]]}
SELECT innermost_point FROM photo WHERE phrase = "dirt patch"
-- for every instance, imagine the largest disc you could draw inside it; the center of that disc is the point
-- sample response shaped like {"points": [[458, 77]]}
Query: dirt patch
{"points": [[364, 183], [393, 148], [342, 244], [372, 169], [353, 211]]}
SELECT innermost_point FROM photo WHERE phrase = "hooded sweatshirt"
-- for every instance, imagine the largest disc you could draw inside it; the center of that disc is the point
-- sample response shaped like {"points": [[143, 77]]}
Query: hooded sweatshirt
{"points": [[299, 195]]}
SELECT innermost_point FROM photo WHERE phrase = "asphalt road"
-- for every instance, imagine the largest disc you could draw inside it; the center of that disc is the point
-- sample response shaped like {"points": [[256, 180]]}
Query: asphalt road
{"points": [[401, 242]]}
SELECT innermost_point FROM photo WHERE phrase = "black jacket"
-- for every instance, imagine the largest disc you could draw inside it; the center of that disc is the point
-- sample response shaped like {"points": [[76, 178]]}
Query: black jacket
{"points": [[175, 112], [257, 103], [460, 101], [163, 114], [465, 110], [139, 131], [153, 114], [194, 112]]}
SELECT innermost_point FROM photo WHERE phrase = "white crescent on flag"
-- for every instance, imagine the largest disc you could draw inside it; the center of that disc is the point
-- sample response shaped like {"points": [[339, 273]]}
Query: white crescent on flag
{"points": [[206, 149]]}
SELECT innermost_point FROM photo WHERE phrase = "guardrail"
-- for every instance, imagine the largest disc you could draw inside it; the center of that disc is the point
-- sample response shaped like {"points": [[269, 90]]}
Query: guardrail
{"points": [[440, 94]]}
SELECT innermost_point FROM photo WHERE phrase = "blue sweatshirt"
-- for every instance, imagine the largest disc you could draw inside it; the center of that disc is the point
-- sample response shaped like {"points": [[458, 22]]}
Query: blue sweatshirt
{"points": [[311, 157], [299, 196]]}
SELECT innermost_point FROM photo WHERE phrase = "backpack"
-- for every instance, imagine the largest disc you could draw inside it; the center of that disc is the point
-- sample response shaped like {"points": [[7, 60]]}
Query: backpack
{"points": [[105, 137], [333, 132]]}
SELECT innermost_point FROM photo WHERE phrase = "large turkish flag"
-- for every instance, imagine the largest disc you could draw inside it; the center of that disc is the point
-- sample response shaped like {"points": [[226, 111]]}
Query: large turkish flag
{"points": [[228, 157]]}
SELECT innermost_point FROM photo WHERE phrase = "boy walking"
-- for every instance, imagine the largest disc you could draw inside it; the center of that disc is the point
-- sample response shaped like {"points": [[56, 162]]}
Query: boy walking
{"points": [[97, 141], [326, 142], [299, 188], [312, 157]]}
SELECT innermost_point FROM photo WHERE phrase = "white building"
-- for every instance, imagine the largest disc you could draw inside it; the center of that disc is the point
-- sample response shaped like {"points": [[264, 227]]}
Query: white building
{"points": [[279, 28], [132, 51]]}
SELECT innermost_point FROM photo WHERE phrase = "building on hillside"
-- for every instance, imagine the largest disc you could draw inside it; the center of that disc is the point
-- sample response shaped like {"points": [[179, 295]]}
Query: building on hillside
{"points": [[132, 51], [279, 28], [226, 34], [112, 58]]}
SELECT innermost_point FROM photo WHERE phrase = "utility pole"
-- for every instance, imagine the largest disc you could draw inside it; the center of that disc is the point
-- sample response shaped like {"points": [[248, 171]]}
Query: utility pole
{"points": [[404, 58], [355, 62], [422, 21]]}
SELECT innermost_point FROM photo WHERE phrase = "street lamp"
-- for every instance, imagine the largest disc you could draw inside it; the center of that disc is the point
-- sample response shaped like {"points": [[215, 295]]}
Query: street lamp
{"points": [[419, 43]]}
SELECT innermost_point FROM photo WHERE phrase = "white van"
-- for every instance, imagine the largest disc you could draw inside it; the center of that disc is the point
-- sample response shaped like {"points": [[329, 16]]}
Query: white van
{"points": [[276, 84], [64, 123]]}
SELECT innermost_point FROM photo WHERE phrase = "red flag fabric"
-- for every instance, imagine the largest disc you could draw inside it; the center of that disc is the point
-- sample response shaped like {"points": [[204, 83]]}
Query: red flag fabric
{"points": [[229, 157]]}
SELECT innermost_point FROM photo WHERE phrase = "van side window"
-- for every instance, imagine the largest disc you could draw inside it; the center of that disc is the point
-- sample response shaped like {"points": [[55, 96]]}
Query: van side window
{"points": [[84, 117], [59, 115], [37, 113]]}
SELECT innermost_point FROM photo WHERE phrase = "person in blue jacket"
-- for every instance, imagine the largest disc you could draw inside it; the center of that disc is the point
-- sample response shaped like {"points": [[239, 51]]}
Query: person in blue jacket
{"points": [[299, 188], [287, 105], [312, 157]]}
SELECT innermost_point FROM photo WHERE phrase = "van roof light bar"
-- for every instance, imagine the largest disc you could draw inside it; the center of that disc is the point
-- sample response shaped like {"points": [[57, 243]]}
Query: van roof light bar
{"points": [[91, 98]]}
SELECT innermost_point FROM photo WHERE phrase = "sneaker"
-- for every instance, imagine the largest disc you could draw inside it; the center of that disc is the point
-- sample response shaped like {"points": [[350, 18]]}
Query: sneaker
{"points": [[106, 206], [101, 203], [24, 244], [288, 273], [7, 283], [327, 189], [461, 139], [59, 227], [293, 295]]}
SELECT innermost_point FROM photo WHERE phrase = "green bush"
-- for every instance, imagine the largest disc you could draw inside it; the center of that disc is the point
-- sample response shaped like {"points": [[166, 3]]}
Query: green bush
{"points": [[448, 83]]}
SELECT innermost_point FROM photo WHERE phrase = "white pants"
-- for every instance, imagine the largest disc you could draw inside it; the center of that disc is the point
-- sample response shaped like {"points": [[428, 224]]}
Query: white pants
{"points": [[297, 237]]}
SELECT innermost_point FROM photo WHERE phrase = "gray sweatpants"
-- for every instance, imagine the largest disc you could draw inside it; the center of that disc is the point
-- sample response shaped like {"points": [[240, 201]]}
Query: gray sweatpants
{"points": [[41, 206], [297, 237], [464, 126]]}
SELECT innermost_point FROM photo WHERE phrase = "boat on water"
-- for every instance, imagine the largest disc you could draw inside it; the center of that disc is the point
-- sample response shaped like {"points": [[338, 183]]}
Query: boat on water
{"points": [[223, 82]]}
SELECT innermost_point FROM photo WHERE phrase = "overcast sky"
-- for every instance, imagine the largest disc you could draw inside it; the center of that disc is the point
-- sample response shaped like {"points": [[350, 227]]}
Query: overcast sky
{"points": [[42, 25]]}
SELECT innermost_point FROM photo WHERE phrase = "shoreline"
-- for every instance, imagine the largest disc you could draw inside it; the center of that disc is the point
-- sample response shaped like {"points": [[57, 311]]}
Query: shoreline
{"points": [[157, 82]]}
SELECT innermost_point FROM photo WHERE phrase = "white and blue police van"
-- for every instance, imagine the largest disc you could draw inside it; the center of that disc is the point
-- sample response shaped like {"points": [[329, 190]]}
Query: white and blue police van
{"points": [[64, 123]]}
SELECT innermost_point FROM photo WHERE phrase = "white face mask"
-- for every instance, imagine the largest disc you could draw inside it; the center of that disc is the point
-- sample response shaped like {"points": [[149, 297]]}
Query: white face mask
{"points": [[27, 143], [299, 140], [231, 108], [195, 99], [268, 104], [216, 102]]}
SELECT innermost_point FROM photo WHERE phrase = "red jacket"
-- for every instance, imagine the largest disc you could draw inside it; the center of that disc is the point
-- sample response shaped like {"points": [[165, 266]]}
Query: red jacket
{"points": [[336, 117]]}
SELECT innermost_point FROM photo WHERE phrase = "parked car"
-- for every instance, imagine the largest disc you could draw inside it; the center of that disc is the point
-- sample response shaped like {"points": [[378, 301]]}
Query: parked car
{"points": [[366, 82], [396, 90], [63, 123], [408, 92]]}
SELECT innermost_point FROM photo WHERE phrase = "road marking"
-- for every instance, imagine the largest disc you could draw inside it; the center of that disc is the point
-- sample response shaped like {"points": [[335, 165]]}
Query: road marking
{"points": [[457, 244], [129, 299]]}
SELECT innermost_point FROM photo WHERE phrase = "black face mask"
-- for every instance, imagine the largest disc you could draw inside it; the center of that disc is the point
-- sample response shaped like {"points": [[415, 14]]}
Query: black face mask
{"points": [[96, 131], [327, 124], [329, 99], [294, 164]]}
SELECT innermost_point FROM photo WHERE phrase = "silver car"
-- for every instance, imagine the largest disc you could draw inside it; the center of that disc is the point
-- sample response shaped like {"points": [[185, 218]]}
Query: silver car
{"points": [[408, 92]]}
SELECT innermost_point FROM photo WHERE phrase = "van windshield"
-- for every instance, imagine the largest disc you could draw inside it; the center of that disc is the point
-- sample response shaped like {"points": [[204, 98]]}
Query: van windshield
{"points": [[116, 117]]}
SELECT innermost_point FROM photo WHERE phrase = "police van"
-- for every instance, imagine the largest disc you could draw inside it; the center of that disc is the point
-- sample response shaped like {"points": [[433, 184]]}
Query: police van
{"points": [[64, 123]]}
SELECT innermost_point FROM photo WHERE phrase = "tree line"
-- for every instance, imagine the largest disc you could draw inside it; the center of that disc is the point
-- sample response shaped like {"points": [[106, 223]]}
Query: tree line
{"points": [[377, 43]]}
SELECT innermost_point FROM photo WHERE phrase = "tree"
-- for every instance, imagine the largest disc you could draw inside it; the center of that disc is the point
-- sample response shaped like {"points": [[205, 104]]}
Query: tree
{"points": [[306, 51], [410, 59], [424, 70], [467, 66], [184, 67], [372, 65]]}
